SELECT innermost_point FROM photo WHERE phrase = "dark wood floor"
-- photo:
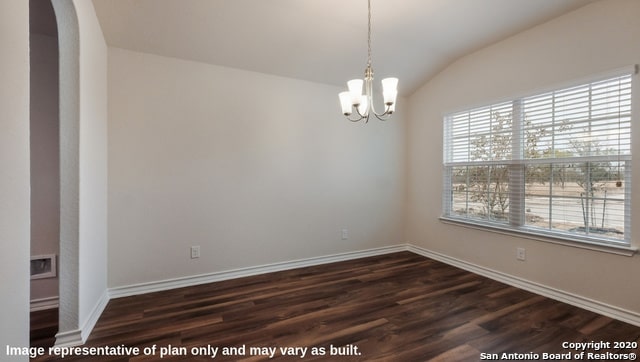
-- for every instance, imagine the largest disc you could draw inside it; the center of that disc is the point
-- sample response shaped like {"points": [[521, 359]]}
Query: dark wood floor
{"points": [[44, 326], [396, 307]]}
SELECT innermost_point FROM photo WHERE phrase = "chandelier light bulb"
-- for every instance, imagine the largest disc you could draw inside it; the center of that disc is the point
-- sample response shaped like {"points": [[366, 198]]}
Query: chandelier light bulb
{"points": [[355, 88], [346, 102], [390, 90]]}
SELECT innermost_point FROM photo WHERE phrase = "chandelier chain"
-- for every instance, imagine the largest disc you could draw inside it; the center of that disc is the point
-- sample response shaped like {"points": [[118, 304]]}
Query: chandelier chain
{"points": [[369, 36]]}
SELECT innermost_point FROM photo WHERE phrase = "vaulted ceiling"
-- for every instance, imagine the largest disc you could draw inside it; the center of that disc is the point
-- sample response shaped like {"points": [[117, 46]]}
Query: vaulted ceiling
{"points": [[322, 40]]}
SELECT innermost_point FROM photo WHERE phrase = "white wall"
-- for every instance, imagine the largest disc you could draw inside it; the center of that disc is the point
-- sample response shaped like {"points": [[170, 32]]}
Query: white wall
{"points": [[45, 162], [254, 168], [14, 176], [93, 161], [596, 38]]}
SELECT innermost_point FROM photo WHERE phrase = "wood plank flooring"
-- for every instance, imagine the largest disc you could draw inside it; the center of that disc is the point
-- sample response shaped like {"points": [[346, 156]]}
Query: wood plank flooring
{"points": [[44, 326], [395, 307]]}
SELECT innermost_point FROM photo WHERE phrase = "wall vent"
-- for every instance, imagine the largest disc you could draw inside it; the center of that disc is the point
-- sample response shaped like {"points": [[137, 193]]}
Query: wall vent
{"points": [[43, 266]]}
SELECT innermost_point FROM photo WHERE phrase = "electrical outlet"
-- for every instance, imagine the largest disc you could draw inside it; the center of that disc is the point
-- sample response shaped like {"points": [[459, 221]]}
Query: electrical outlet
{"points": [[520, 254], [195, 252], [345, 234]]}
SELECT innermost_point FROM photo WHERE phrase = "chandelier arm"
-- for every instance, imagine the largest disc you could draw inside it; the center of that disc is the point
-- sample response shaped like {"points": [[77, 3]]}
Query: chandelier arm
{"points": [[359, 116], [362, 116], [371, 105], [386, 115], [354, 120], [368, 89], [372, 108], [383, 117]]}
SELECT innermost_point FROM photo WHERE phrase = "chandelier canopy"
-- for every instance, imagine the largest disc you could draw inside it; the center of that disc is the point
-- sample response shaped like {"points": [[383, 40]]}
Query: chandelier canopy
{"points": [[363, 103]]}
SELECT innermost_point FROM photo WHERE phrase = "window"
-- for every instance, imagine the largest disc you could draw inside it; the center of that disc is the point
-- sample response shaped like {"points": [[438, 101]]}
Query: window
{"points": [[554, 164]]}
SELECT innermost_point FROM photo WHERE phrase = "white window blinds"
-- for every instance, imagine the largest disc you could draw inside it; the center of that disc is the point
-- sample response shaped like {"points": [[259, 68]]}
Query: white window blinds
{"points": [[555, 163]]}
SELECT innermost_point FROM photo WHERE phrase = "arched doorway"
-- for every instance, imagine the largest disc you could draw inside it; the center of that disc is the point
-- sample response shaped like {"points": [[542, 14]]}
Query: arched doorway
{"points": [[57, 18]]}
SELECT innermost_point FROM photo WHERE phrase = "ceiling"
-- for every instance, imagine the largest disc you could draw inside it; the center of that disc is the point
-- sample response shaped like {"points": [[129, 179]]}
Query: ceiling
{"points": [[322, 40]]}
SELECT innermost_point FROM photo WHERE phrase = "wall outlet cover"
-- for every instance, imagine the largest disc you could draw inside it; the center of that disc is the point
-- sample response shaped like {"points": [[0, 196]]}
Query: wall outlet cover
{"points": [[195, 252], [520, 254]]}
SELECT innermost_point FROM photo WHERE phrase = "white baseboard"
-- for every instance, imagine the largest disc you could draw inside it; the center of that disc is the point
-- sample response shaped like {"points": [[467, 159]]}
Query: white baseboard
{"points": [[143, 288], [69, 339], [557, 294], [44, 303], [78, 337], [96, 312]]}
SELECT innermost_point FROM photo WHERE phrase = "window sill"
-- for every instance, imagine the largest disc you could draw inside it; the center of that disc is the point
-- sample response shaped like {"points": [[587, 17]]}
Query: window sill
{"points": [[577, 243]]}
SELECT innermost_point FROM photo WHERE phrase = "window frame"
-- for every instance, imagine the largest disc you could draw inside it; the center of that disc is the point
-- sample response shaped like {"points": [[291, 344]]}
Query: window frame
{"points": [[515, 223]]}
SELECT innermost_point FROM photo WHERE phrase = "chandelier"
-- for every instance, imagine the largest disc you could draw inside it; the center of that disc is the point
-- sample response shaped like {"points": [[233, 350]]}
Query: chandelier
{"points": [[363, 103]]}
